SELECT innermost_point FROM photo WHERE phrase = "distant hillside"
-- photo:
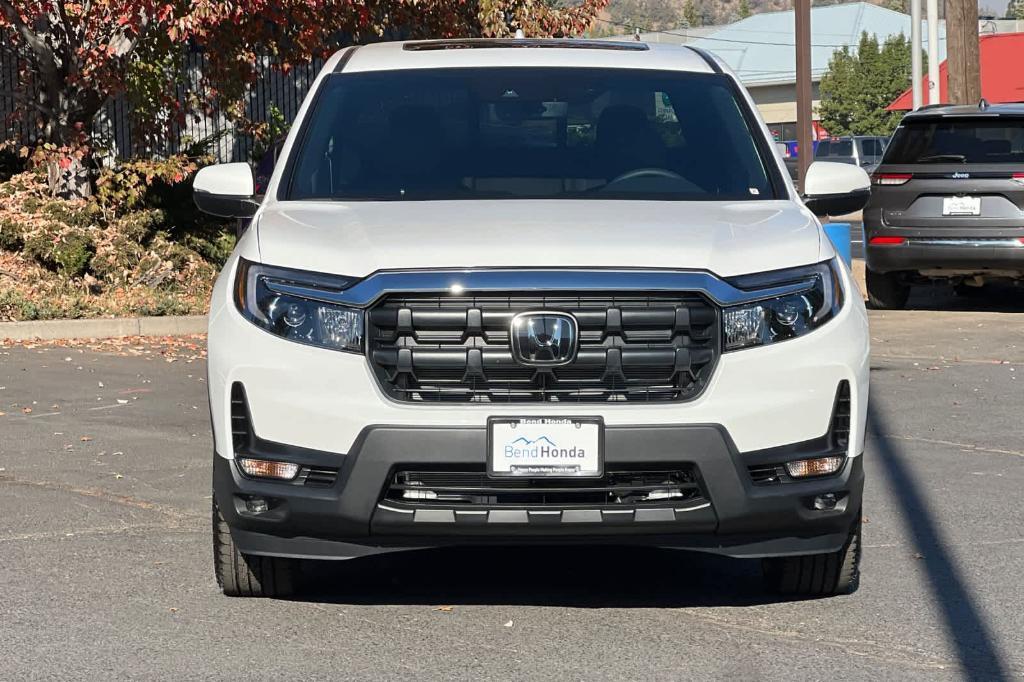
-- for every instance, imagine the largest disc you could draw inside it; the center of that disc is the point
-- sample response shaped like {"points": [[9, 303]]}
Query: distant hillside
{"points": [[660, 15]]}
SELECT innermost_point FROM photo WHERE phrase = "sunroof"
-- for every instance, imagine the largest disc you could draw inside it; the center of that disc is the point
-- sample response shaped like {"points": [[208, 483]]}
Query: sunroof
{"points": [[559, 43]]}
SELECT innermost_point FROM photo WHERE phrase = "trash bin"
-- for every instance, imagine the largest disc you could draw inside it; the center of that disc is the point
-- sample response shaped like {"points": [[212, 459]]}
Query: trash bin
{"points": [[839, 233]]}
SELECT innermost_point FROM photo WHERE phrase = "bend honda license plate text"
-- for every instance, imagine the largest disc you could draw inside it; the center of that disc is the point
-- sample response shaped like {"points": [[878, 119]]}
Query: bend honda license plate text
{"points": [[540, 446], [961, 206]]}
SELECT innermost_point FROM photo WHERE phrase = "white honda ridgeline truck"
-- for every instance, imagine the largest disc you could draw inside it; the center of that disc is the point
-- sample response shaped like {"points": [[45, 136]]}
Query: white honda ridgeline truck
{"points": [[539, 292]]}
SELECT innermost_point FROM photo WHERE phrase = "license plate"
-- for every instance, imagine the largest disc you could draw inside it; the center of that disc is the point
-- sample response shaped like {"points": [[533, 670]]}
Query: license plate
{"points": [[961, 206], [539, 446]]}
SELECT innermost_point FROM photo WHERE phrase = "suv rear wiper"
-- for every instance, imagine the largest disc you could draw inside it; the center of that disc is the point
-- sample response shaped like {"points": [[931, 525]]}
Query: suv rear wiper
{"points": [[936, 158]]}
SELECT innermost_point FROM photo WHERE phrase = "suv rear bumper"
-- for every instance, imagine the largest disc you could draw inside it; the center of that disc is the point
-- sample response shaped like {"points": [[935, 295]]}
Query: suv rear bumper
{"points": [[964, 247], [735, 517], [962, 255]]}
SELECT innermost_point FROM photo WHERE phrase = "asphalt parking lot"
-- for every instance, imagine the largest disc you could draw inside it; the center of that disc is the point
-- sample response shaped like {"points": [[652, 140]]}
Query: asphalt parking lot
{"points": [[105, 552]]}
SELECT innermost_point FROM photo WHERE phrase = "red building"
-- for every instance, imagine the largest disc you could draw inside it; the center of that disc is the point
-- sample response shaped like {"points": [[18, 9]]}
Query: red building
{"points": [[1002, 72]]}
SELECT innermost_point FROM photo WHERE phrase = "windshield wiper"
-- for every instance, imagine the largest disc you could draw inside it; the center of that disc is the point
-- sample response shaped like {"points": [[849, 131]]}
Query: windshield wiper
{"points": [[939, 158]]}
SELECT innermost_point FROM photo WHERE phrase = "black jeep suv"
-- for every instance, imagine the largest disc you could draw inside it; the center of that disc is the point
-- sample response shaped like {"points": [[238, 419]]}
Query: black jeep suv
{"points": [[947, 202]]}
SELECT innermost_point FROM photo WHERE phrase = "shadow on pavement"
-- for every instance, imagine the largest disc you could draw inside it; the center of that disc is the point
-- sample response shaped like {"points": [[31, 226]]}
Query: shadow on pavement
{"points": [[583, 577], [965, 624], [993, 298]]}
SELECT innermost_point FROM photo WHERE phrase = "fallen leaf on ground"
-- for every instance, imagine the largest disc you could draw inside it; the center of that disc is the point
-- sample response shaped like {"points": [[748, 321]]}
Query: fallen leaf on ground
{"points": [[27, 410], [445, 609], [118, 477], [509, 624], [85, 439]]}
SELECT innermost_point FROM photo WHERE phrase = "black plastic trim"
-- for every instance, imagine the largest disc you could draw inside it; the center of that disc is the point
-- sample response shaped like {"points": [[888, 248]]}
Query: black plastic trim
{"points": [[343, 62], [549, 43], [706, 56], [740, 518]]}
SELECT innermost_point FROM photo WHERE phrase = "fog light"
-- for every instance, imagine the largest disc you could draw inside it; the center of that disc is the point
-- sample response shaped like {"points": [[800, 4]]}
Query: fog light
{"points": [[256, 505], [819, 466], [265, 468], [825, 502]]}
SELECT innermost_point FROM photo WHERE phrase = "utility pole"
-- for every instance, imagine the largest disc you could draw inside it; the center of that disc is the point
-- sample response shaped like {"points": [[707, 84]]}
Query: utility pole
{"points": [[915, 52], [803, 89], [962, 55], [933, 52]]}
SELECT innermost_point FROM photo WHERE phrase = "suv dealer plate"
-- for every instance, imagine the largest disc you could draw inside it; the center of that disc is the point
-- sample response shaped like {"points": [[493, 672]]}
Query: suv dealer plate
{"points": [[961, 206], [536, 447]]}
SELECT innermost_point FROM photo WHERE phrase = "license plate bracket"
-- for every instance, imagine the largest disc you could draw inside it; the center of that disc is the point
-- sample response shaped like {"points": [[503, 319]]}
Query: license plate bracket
{"points": [[545, 447], [961, 206]]}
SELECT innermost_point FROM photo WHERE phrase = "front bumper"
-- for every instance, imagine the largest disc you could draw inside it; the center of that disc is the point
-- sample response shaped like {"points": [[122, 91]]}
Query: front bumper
{"points": [[330, 410], [735, 516]]}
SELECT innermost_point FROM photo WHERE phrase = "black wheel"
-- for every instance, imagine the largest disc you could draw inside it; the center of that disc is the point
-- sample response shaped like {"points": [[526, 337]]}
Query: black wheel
{"points": [[886, 290], [245, 575], [817, 575]]}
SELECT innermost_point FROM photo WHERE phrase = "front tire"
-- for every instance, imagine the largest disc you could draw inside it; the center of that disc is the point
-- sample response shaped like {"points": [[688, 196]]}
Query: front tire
{"points": [[817, 575], [886, 290], [247, 575]]}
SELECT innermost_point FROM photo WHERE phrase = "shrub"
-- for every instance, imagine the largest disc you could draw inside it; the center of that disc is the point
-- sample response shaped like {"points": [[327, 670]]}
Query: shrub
{"points": [[10, 235], [58, 247]]}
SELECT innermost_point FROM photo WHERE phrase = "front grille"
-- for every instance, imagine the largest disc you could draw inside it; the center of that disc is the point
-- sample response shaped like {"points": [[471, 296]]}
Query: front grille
{"points": [[634, 487], [656, 347]]}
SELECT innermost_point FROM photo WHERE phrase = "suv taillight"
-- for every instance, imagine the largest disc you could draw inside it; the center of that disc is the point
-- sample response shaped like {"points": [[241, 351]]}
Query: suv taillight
{"points": [[1018, 178], [891, 178]]}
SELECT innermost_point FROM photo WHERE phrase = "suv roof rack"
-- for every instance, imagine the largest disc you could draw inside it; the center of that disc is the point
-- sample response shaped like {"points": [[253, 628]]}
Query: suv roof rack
{"points": [[559, 43]]}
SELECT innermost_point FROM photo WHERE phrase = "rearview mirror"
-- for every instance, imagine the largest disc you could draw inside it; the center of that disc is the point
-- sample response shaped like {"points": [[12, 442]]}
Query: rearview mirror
{"points": [[225, 190], [836, 188]]}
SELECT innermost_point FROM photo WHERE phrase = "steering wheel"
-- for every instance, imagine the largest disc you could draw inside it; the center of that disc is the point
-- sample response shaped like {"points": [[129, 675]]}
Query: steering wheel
{"points": [[646, 173]]}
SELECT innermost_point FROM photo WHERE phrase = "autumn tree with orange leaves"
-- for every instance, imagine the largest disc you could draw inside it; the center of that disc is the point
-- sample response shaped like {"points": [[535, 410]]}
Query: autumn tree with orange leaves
{"points": [[74, 55]]}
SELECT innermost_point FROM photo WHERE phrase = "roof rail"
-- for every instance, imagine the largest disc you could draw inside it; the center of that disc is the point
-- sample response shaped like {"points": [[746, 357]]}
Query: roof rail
{"points": [[558, 43]]}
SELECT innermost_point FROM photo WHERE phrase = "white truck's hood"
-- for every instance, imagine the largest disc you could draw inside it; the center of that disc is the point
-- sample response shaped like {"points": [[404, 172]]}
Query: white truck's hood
{"points": [[356, 239]]}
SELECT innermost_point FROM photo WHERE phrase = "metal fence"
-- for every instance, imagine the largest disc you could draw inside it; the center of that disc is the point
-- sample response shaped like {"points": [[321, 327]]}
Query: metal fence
{"points": [[113, 130]]}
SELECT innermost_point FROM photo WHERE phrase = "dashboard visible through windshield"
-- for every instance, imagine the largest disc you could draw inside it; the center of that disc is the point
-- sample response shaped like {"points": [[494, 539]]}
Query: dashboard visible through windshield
{"points": [[543, 133]]}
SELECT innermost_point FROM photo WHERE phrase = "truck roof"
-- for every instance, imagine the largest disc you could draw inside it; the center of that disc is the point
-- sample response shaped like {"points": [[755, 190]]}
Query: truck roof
{"points": [[552, 52]]}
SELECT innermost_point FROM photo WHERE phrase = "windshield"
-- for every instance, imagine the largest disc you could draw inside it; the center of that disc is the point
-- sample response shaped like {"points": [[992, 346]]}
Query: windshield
{"points": [[960, 140], [528, 133]]}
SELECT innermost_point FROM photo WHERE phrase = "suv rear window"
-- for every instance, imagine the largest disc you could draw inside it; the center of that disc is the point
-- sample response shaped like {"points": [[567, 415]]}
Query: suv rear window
{"points": [[834, 148], [529, 133], [959, 140]]}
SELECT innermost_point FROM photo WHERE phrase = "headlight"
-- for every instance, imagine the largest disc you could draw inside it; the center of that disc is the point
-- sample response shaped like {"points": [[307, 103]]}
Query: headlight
{"points": [[291, 304], [785, 317]]}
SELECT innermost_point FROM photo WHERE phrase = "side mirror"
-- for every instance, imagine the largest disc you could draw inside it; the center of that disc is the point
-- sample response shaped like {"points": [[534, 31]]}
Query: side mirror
{"points": [[836, 188], [225, 190]]}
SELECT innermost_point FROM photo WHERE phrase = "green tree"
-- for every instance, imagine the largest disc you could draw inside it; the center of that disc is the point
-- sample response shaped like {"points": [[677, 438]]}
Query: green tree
{"points": [[744, 9], [1015, 10], [858, 86], [691, 13]]}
